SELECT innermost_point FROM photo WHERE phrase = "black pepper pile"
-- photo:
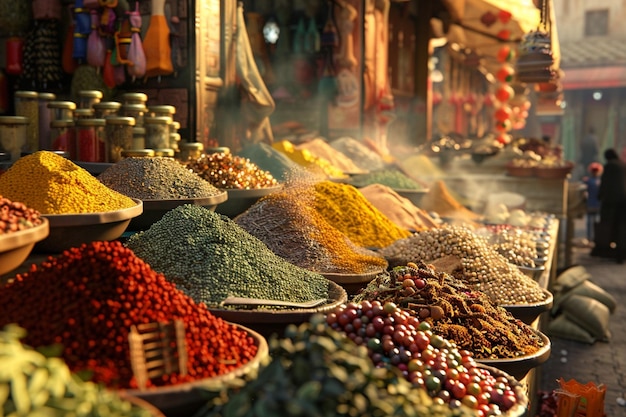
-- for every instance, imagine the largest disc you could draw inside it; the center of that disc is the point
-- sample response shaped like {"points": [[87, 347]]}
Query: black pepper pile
{"points": [[157, 178], [225, 170], [209, 257]]}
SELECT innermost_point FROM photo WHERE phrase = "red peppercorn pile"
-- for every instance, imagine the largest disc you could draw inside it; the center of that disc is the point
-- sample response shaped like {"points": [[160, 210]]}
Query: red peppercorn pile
{"points": [[16, 216], [87, 298]]}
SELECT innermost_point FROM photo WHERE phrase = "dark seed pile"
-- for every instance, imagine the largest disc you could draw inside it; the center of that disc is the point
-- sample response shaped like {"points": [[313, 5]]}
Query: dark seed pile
{"points": [[155, 178], [210, 257]]}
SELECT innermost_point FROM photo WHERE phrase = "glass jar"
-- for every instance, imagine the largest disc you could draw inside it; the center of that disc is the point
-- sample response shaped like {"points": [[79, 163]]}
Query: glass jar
{"points": [[165, 152], [190, 151], [84, 113], [63, 137], [87, 98], [106, 108], [27, 105], [119, 136], [61, 110], [136, 111], [174, 141], [162, 110], [138, 153], [139, 137], [13, 131], [135, 98], [175, 127], [90, 140], [157, 132], [44, 118]]}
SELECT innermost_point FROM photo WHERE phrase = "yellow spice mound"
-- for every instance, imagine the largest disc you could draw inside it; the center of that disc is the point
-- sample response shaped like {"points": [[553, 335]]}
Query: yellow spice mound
{"points": [[440, 200], [52, 184]]}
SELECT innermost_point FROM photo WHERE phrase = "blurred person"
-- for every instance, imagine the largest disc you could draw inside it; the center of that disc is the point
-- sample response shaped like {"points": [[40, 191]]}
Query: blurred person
{"points": [[592, 183], [612, 196]]}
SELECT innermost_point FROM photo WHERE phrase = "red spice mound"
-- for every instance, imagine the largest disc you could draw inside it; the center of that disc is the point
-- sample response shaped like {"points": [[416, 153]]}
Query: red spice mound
{"points": [[87, 298]]}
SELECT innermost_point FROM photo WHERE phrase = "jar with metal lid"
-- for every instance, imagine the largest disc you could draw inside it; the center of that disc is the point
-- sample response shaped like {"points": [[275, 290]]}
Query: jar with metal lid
{"points": [[135, 98], [106, 108], [190, 151], [63, 137], [136, 111], [61, 110], [87, 98], [175, 127], [84, 113], [90, 145], [138, 153], [174, 141], [162, 110], [44, 118], [157, 132], [165, 152], [119, 136], [13, 135], [139, 137], [27, 105]]}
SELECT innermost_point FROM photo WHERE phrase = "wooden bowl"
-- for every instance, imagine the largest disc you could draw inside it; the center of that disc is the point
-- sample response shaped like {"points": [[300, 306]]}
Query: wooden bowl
{"points": [[153, 210], [241, 200], [519, 367], [185, 399], [554, 172], [72, 230], [519, 171], [16, 246], [268, 322]]}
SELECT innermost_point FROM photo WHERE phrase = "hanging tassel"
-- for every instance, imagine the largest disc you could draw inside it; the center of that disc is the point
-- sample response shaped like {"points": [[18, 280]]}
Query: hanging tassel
{"points": [[136, 55], [96, 48]]}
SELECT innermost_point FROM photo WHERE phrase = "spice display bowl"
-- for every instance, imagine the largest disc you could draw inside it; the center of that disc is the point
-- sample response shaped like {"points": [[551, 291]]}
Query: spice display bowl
{"points": [[187, 398], [16, 246], [558, 172], [533, 272], [352, 283], [520, 171], [153, 210], [414, 196], [240, 200], [521, 405], [528, 313], [269, 321], [72, 230], [519, 367]]}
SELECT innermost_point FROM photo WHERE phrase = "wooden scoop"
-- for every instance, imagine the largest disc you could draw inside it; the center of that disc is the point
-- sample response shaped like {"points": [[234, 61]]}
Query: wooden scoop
{"points": [[263, 302]]}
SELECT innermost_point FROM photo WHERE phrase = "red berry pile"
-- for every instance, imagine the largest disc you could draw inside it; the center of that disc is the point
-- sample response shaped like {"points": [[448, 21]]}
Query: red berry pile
{"points": [[395, 337]]}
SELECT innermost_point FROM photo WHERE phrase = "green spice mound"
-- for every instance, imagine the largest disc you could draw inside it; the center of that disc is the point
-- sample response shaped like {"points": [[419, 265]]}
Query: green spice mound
{"points": [[392, 178], [317, 371], [294, 230], [209, 257], [156, 178]]}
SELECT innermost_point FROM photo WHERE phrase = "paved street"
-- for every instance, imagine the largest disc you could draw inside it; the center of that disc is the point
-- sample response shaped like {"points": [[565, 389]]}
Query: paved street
{"points": [[602, 362]]}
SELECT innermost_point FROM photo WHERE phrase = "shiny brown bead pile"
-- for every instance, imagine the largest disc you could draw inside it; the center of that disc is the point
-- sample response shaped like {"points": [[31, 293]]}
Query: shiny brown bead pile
{"points": [[225, 170]]}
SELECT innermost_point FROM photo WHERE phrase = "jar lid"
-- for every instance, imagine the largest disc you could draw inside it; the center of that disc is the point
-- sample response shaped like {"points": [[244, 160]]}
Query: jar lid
{"points": [[26, 94], [90, 94], [175, 137], [138, 130], [175, 125], [68, 105], [165, 108], [83, 113], [192, 146], [13, 120], [134, 107], [46, 96], [135, 97], [90, 122], [157, 120], [139, 153], [219, 149], [166, 152], [107, 105], [120, 120], [62, 123]]}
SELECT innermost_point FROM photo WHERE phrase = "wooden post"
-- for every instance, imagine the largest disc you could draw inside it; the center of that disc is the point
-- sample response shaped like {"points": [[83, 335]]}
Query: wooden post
{"points": [[423, 93]]}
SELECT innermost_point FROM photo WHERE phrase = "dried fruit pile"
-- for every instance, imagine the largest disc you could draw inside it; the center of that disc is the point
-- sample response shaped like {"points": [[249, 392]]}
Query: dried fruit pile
{"points": [[467, 318], [16, 216], [87, 299]]}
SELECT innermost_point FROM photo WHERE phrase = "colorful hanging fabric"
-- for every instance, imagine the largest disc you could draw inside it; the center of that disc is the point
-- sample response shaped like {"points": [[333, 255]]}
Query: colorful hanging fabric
{"points": [[96, 47], [82, 28], [136, 56]]}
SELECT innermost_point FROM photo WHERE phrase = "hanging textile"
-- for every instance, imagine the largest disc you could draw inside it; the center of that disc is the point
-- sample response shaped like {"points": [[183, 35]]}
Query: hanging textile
{"points": [[257, 104]]}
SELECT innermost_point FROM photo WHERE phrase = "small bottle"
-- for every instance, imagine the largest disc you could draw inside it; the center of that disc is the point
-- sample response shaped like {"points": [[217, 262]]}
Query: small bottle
{"points": [[87, 98], [136, 111], [139, 137], [106, 108], [61, 110], [135, 98], [138, 153], [165, 152], [90, 140], [84, 113], [190, 151], [27, 105], [13, 135], [157, 132], [162, 110], [174, 141], [119, 136], [63, 137], [44, 118]]}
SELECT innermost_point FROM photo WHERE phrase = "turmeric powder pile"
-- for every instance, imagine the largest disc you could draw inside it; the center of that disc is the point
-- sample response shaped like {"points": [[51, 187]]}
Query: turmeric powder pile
{"points": [[306, 159], [295, 231], [52, 184], [344, 207]]}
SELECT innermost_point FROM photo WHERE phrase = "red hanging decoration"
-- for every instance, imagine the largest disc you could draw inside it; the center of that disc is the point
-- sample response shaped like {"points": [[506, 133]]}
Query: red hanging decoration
{"points": [[488, 19], [504, 34], [505, 54], [14, 55], [503, 113], [505, 74], [504, 16], [505, 92]]}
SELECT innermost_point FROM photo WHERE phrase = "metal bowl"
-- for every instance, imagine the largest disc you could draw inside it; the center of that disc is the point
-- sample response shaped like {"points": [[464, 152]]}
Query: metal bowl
{"points": [[528, 313], [16, 246]]}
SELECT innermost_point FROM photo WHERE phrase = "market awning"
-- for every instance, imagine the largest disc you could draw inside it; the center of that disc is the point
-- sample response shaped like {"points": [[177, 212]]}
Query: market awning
{"points": [[595, 77]]}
